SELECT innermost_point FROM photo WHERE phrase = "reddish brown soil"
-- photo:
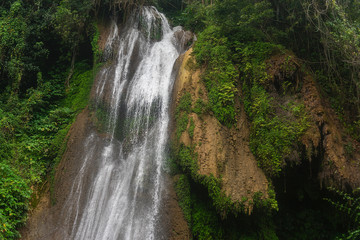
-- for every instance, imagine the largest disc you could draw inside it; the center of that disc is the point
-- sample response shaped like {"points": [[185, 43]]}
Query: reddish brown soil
{"points": [[221, 151], [340, 168]]}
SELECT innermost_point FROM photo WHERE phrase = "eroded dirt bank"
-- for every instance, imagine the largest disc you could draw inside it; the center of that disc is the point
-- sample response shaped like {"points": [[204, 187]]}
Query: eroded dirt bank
{"points": [[225, 153], [326, 141], [220, 151], [340, 167]]}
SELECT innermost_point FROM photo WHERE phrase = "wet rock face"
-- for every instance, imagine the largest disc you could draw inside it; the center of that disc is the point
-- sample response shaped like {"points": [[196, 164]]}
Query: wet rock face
{"points": [[185, 38], [172, 216]]}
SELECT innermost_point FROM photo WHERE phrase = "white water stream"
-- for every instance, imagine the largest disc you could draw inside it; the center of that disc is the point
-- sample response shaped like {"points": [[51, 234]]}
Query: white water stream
{"points": [[117, 191]]}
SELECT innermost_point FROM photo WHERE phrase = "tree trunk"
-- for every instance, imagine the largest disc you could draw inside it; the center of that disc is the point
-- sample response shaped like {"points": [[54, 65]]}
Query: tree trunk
{"points": [[72, 66]]}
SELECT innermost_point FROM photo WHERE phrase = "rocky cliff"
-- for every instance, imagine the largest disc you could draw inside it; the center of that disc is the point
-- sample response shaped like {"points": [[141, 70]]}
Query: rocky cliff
{"points": [[331, 155], [221, 152]]}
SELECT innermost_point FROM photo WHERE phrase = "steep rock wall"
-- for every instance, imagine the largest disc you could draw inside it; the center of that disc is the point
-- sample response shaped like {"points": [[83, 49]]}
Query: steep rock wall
{"points": [[340, 167], [221, 152], [325, 140], [224, 152]]}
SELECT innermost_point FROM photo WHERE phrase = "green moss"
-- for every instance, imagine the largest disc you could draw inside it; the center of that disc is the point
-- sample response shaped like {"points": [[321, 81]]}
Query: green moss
{"points": [[101, 115], [181, 124], [58, 147], [200, 107], [273, 137], [77, 96], [181, 114], [182, 188], [187, 159], [184, 104]]}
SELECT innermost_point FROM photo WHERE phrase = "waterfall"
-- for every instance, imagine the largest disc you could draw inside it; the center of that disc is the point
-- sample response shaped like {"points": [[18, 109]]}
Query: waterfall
{"points": [[117, 191]]}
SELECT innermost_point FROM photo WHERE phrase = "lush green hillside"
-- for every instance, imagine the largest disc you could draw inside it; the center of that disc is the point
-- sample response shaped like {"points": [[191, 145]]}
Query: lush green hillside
{"points": [[37, 104], [48, 50], [255, 53]]}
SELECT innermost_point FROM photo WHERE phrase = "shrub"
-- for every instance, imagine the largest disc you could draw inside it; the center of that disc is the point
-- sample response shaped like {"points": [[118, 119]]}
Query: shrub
{"points": [[14, 196], [220, 76]]}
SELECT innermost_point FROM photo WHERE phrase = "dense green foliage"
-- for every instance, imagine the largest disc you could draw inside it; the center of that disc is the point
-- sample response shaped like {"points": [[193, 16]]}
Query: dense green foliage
{"points": [[235, 38], [348, 205], [235, 41], [39, 98], [220, 75], [234, 47], [32, 139], [14, 194], [273, 134]]}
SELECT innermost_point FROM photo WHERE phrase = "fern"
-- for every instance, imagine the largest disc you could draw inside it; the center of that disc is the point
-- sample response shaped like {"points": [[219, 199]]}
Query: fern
{"points": [[349, 204]]}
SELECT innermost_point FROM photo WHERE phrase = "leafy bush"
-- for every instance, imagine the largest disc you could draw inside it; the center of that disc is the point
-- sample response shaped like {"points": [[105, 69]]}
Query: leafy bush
{"points": [[348, 204], [200, 107], [206, 225], [272, 137], [184, 104], [220, 75], [14, 196], [194, 16]]}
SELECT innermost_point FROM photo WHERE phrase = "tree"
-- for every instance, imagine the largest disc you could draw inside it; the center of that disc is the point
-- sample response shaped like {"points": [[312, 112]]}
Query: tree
{"points": [[70, 22]]}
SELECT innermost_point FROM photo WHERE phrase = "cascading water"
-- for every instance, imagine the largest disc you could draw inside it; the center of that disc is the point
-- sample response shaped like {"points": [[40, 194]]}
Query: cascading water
{"points": [[117, 191]]}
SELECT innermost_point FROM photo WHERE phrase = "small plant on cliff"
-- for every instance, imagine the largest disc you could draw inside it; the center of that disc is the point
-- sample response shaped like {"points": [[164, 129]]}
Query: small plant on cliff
{"points": [[272, 136], [220, 75], [200, 107], [184, 104], [349, 205], [182, 188]]}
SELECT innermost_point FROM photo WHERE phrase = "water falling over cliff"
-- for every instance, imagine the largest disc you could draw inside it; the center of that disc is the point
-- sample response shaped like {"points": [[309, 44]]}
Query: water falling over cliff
{"points": [[117, 191]]}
